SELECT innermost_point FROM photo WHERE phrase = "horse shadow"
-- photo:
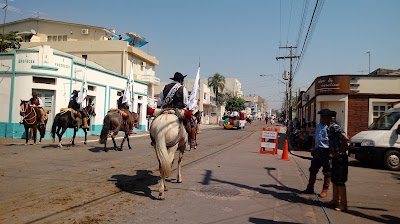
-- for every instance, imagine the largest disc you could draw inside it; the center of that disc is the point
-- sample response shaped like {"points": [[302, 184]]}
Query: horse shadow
{"points": [[97, 149], [138, 184]]}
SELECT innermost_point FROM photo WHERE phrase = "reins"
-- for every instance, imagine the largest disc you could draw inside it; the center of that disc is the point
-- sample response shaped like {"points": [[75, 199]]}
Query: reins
{"points": [[25, 119]]}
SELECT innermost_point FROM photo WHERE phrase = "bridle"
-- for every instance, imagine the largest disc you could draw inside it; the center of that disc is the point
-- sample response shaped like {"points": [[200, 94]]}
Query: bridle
{"points": [[25, 118]]}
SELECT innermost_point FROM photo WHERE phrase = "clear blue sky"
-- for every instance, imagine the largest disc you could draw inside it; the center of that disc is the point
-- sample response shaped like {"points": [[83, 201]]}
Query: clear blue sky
{"points": [[241, 38]]}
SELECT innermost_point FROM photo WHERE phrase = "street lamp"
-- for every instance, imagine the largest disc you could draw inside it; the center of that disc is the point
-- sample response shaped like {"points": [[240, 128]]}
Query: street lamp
{"points": [[286, 93]]}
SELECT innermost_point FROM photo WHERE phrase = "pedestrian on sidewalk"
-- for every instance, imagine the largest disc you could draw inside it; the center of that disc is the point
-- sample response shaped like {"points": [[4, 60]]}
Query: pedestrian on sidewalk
{"points": [[320, 154], [338, 147]]}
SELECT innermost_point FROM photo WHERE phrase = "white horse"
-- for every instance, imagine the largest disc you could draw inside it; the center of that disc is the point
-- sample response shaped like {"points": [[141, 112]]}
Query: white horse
{"points": [[168, 135]]}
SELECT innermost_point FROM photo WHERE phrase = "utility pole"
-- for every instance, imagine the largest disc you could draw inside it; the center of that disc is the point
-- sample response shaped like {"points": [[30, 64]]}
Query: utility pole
{"points": [[4, 22], [291, 56], [369, 62]]}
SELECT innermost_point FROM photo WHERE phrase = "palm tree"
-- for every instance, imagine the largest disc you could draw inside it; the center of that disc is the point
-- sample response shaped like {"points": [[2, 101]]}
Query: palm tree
{"points": [[217, 83]]}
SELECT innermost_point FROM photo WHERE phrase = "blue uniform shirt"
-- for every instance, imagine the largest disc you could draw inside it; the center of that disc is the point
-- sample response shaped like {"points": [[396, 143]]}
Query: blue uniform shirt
{"points": [[321, 136]]}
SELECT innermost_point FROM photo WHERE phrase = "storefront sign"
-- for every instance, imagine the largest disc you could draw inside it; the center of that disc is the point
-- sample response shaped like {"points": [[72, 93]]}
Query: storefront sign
{"points": [[332, 84]]}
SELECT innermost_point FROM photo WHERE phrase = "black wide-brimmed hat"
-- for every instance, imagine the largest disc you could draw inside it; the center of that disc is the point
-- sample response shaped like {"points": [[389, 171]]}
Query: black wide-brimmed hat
{"points": [[327, 113], [75, 91], [178, 76]]}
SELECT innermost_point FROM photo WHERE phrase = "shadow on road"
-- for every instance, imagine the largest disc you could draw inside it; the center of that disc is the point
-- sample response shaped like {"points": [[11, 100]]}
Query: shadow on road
{"points": [[268, 221], [138, 184]]}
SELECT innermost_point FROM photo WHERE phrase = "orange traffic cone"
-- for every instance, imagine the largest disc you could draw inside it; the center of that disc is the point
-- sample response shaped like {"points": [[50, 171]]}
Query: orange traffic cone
{"points": [[285, 153]]}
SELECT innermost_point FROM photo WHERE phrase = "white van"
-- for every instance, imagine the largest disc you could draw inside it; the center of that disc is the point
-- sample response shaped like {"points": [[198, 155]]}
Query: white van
{"points": [[381, 142]]}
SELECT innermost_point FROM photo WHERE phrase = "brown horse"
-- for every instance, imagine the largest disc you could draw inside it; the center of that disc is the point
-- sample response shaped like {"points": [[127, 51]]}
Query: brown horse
{"points": [[113, 123], [30, 120], [64, 120]]}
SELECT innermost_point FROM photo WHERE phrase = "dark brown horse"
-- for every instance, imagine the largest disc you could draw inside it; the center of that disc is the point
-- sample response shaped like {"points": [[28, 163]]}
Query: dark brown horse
{"points": [[30, 120], [64, 120], [113, 123]]}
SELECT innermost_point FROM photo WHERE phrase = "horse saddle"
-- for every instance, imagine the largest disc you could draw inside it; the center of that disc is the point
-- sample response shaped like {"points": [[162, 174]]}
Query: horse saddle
{"points": [[74, 114], [180, 113], [125, 115]]}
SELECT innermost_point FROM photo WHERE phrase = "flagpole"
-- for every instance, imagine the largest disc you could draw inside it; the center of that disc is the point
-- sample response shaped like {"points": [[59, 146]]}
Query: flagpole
{"points": [[85, 57]]}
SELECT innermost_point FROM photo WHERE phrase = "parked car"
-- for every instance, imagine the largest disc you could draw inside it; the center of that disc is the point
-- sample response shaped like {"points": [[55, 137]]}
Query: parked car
{"points": [[380, 143]]}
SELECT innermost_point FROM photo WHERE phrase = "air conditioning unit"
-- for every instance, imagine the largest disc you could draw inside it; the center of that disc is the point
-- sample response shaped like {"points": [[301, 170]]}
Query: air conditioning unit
{"points": [[85, 31]]}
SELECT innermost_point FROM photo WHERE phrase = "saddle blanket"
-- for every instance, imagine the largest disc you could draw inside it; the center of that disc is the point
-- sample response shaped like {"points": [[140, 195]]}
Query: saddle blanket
{"points": [[74, 113]]}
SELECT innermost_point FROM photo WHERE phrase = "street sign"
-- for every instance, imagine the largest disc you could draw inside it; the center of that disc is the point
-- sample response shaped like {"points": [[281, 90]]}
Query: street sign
{"points": [[268, 144], [269, 134]]}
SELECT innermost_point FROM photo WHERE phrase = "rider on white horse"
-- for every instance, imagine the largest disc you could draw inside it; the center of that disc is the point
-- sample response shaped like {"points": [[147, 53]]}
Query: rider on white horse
{"points": [[175, 95]]}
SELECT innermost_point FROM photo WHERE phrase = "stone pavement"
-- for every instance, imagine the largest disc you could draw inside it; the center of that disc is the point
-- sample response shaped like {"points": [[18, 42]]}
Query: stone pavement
{"points": [[237, 185]]}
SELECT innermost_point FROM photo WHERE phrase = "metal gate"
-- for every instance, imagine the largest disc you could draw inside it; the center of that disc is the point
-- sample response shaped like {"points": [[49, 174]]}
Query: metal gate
{"points": [[47, 97]]}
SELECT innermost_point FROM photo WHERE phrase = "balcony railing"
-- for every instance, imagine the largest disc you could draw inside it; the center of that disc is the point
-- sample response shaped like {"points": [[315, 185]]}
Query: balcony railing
{"points": [[150, 79]]}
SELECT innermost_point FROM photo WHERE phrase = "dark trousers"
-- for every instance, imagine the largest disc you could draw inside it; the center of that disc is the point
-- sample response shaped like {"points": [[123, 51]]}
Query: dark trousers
{"points": [[340, 169], [321, 159]]}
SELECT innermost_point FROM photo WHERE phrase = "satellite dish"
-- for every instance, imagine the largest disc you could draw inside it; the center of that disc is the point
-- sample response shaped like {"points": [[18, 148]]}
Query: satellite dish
{"points": [[33, 31]]}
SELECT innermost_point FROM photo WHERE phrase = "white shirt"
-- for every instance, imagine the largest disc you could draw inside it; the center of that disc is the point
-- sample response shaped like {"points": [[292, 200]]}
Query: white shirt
{"points": [[161, 97], [235, 114]]}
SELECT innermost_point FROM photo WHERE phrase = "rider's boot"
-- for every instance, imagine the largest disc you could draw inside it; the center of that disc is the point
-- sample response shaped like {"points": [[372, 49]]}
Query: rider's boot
{"points": [[85, 123]]}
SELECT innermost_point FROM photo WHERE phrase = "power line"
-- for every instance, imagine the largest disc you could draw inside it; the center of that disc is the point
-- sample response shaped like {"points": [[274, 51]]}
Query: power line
{"points": [[290, 19], [302, 21], [310, 31]]}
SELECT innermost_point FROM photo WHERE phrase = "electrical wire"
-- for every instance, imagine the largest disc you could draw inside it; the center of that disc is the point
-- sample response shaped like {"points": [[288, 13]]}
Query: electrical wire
{"points": [[301, 26], [310, 32], [290, 19]]}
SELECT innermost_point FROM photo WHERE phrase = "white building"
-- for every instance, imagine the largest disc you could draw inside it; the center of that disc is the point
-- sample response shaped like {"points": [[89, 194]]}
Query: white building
{"points": [[54, 75]]}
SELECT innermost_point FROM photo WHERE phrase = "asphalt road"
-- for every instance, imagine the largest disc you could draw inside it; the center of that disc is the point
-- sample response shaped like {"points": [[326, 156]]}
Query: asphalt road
{"points": [[225, 180]]}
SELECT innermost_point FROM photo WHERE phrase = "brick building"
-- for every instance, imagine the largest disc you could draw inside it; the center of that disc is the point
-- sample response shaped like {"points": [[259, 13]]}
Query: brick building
{"points": [[357, 99]]}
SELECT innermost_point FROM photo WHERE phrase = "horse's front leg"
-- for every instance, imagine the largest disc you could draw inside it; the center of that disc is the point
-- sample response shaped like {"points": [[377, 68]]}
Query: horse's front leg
{"points": [[34, 135], [85, 136], [60, 136], [73, 137], [127, 139], [26, 135], [122, 143], [113, 139]]}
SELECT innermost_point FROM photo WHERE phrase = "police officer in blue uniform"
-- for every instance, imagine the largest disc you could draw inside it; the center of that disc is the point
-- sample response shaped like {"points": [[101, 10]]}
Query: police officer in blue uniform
{"points": [[321, 154]]}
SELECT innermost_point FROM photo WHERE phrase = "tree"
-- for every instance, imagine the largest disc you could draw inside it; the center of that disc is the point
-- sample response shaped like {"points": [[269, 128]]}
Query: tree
{"points": [[217, 84], [10, 40], [235, 103]]}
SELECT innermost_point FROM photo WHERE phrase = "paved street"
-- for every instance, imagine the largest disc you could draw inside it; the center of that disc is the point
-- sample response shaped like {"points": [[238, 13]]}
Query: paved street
{"points": [[225, 180]]}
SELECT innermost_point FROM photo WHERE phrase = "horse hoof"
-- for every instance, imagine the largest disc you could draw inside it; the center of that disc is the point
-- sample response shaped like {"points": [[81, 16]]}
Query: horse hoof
{"points": [[179, 181], [130, 147], [105, 150], [26, 144], [161, 196], [84, 143]]}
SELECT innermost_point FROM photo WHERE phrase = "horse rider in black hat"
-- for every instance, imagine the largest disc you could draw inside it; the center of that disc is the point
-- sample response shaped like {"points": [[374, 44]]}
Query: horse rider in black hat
{"points": [[175, 95], [75, 104], [127, 117], [38, 105]]}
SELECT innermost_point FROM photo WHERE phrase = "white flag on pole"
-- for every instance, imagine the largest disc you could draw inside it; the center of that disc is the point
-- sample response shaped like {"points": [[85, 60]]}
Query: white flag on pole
{"points": [[192, 98], [82, 95], [128, 90]]}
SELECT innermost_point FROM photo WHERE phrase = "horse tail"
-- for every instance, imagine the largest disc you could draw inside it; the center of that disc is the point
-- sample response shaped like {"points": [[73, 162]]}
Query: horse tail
{"points": [[54, 126], [105, 129], [163, 156]]}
